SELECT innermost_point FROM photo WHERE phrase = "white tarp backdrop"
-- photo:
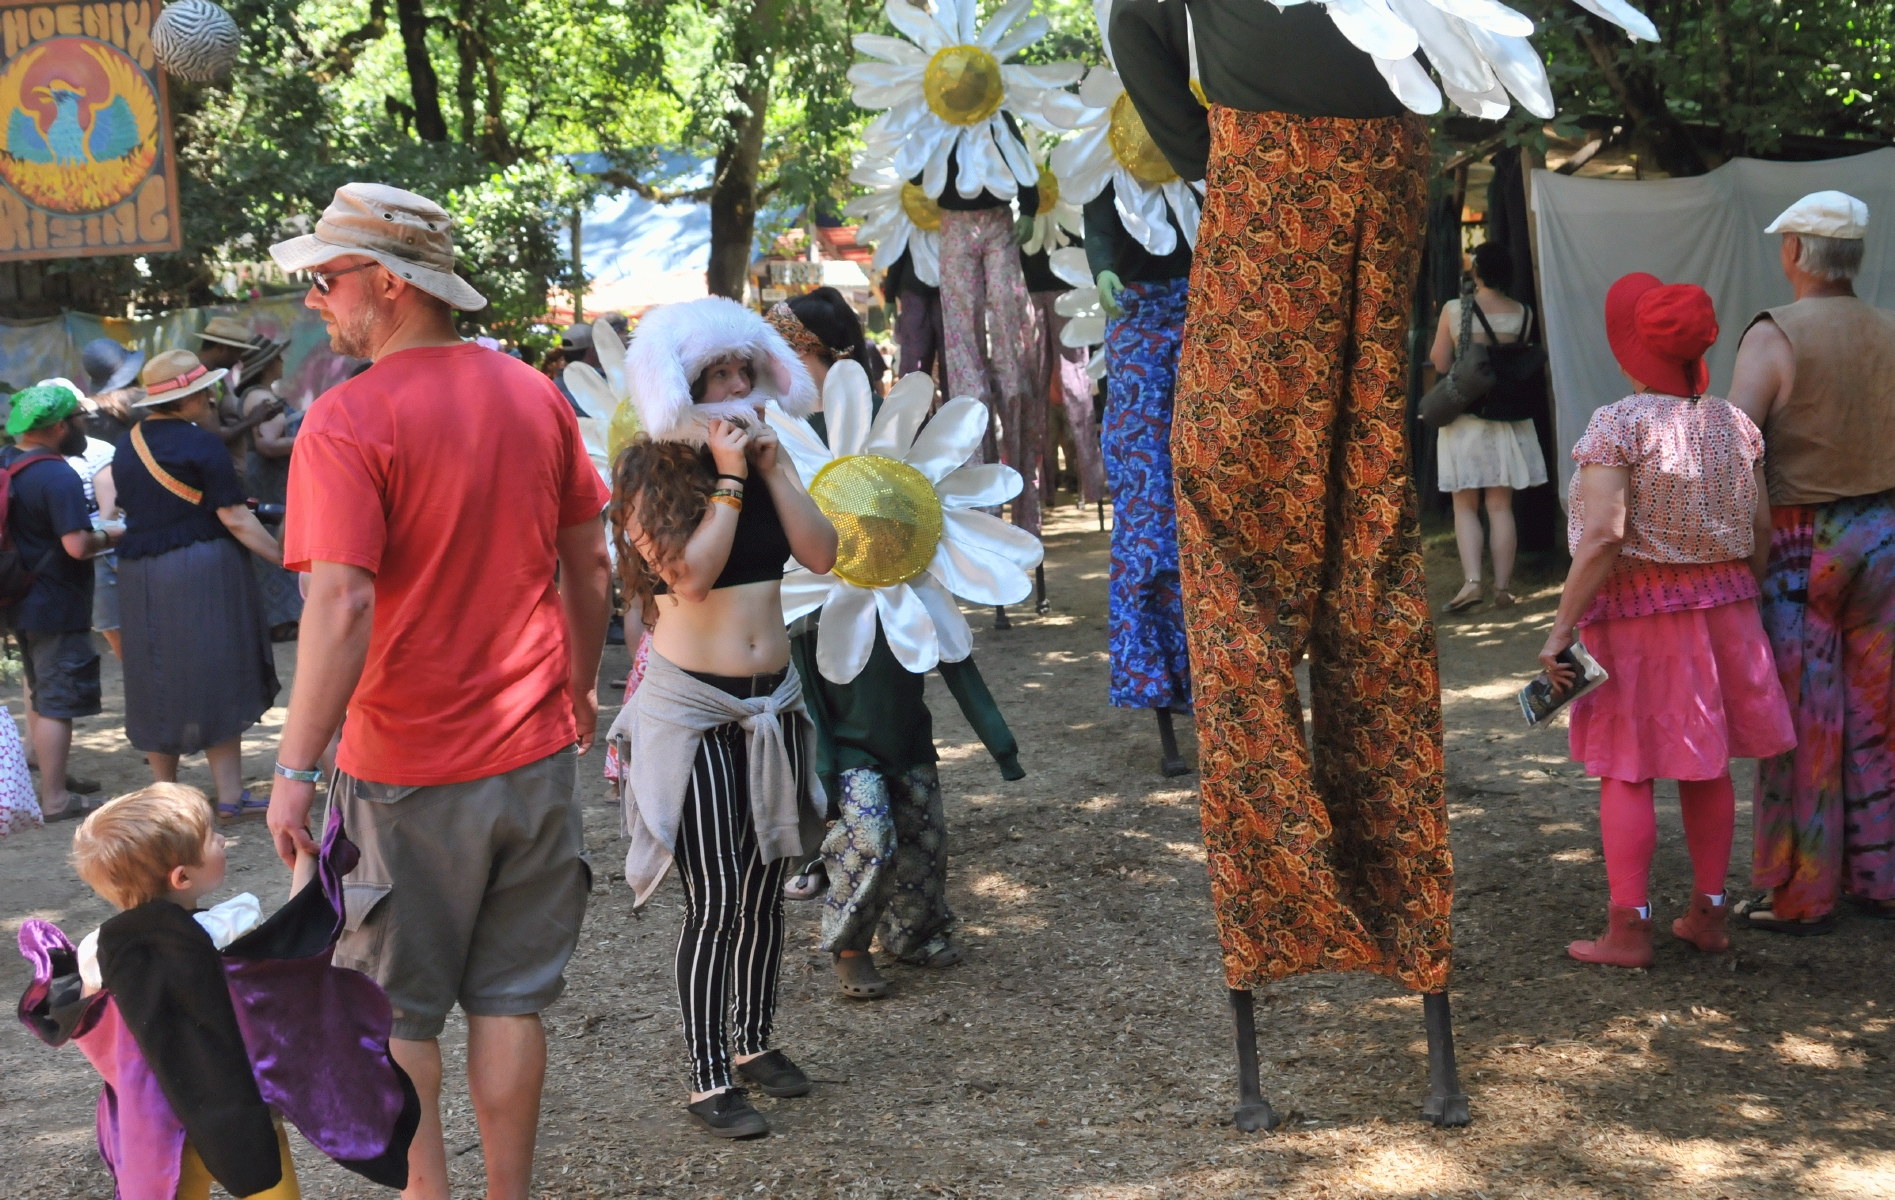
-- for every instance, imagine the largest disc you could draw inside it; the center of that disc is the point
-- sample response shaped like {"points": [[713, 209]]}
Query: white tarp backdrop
{"points": [[1706, 230]]}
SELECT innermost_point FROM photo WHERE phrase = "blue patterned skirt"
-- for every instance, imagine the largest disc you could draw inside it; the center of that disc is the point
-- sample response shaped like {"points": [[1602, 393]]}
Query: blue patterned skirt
{"points": [[1150, 665]]}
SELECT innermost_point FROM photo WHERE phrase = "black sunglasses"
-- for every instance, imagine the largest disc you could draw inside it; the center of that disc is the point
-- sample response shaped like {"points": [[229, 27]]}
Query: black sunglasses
{"points": [[323, 279]]}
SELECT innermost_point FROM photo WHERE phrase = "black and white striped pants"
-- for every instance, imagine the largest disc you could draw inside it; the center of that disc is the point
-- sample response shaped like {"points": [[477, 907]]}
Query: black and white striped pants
{"points": [[731, 944]]}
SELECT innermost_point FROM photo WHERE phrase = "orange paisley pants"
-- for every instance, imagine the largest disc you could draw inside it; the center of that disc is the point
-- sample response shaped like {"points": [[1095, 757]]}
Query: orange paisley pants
{"points": [[1299, 533]]}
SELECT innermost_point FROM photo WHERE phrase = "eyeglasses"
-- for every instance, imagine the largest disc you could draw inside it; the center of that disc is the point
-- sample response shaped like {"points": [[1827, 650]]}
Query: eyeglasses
{"points": [[324, 279]]}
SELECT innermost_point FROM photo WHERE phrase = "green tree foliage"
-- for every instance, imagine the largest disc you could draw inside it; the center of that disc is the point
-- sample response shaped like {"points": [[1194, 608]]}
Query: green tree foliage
{"points": [[1729, 77]]}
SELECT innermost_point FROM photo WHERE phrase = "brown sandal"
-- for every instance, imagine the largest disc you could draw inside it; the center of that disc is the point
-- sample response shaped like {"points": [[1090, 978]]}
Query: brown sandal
{"points": [[857, 977], [1504, 599], [1466, 598]]}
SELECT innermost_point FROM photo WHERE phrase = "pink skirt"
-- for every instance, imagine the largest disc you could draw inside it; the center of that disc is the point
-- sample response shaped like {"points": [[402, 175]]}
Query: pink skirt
{"points": [[1688, 692]]}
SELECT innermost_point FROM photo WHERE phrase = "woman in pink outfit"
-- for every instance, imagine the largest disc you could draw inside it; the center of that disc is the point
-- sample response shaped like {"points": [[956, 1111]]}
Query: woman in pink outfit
{"points": [[1670, 531]]}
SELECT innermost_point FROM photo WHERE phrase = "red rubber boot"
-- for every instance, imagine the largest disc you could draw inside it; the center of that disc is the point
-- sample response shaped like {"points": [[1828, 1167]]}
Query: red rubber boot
{"points": [[1627, 941], [1704, 926]]}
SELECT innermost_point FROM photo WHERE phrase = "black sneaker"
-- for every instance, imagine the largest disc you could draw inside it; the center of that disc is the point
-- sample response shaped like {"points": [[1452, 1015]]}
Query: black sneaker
{"points": [[728, 1115], [775, 1074]]}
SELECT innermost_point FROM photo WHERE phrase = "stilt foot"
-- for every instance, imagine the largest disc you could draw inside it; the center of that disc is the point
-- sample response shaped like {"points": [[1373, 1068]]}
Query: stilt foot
{"points": [[1172, 763], [1042, 605], [1252, 1116], [1000, 618], [1448, 1111], [1446, 1105]]}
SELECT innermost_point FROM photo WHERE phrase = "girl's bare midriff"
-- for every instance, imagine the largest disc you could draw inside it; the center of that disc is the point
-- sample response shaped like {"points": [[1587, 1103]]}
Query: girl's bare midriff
{"points": [[732, 631]]}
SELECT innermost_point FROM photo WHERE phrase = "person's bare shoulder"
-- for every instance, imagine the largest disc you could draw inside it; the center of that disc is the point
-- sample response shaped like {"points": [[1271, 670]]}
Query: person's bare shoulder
{"points": [[1765, 370]]}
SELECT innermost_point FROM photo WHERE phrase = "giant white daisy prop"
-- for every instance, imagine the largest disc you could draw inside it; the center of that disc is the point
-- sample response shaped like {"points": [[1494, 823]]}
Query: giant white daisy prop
{"points": [[1085, 316], [944, 87], [610, 417], [1110, 145], [1478, 47], [1058, 219], [898, 216], [910, 536]]}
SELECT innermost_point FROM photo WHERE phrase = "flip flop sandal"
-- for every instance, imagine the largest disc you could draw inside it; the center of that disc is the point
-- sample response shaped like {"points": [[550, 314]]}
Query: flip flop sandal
{"points": [[72, 812], [1793, 928], [1462, 604], [1505, 600], [246, 806], [857, 977], [78, 784], [810, 885]]}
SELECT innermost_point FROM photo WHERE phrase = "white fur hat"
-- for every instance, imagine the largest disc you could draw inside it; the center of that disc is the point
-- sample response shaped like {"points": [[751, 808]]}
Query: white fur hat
{"points": [[674, 343]]}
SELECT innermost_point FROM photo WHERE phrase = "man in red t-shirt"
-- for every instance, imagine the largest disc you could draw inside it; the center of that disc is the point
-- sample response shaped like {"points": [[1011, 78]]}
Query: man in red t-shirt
{"points": [[448, 516]]}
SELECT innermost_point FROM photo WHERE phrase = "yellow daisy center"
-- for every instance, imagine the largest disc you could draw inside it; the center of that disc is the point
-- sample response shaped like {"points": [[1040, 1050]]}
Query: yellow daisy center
{"points": [[887, 518], [925, 213], [1133, 146], [962, 85], [1049, 191]]}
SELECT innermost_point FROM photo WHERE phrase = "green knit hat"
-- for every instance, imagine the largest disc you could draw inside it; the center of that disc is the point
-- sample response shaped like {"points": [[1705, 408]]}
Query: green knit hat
{"points": [[39, 406]]}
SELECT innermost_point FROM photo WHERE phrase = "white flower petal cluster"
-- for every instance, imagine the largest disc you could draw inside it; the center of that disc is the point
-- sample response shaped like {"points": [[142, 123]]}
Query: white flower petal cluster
{"points": [[1085, 316], [1060, 221], [944, 86], [979, 557], [889, 211]]}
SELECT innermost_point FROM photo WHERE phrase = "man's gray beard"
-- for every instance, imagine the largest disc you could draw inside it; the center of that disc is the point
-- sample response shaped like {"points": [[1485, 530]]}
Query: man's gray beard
{"points": [[353, 338]]}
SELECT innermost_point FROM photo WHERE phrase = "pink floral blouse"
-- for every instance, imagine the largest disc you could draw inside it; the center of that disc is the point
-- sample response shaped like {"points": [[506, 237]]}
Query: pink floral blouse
{"points": [[1693, 493]]}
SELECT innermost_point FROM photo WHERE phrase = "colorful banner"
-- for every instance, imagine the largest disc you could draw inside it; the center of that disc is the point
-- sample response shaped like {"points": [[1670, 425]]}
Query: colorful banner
{"points": [[34, 350], [87, 164]]}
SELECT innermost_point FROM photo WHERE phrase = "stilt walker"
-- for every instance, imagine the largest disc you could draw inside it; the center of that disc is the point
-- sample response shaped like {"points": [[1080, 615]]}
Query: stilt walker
{"points": [[1298, 525], [953, 111], [1063, 368], [1141, 221], [911, 536]]}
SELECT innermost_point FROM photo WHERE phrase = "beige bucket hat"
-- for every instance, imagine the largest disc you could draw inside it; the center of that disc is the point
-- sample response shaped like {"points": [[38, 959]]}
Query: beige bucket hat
{"points": [[174, 375], [408, 234], [226, 332]]}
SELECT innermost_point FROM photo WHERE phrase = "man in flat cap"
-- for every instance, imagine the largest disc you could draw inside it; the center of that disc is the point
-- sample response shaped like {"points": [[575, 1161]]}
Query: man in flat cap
{"points": [[1818, 377], [434, 499]]}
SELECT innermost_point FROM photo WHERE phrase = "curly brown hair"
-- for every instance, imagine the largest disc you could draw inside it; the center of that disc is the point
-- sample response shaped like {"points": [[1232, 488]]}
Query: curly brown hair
{"points": [[663, 487]]}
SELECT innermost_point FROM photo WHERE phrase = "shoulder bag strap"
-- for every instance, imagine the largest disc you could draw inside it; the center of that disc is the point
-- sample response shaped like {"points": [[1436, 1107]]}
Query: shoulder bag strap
{"points": [[169, 482], [1468, 309]]}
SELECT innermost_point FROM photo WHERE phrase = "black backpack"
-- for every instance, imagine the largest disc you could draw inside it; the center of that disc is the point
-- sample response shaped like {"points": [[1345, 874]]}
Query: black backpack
{"points": [[1519, 390], [16, 578]]}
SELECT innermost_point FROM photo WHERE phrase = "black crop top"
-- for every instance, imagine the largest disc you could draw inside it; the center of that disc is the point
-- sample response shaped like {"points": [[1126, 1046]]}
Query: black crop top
{"points": [[760, 547]]}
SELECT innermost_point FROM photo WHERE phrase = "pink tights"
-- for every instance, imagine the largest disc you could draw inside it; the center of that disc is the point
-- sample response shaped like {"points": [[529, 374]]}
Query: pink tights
{"points": [[1629, 829]]}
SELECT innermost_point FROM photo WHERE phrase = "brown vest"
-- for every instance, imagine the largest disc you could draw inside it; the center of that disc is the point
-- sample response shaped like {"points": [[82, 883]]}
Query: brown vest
{"points": [[1835, 436]]}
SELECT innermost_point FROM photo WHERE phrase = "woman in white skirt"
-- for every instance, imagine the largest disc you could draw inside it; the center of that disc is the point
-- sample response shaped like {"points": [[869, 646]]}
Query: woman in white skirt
{"points": [[1476, 457]]}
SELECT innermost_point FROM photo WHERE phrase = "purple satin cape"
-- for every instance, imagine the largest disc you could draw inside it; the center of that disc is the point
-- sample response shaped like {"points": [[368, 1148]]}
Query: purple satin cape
{"points": [[317, 1035]]}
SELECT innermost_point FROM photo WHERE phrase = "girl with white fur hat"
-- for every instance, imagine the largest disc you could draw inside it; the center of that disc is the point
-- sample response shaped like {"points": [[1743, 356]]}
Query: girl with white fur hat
{"points": [[719, 777]]}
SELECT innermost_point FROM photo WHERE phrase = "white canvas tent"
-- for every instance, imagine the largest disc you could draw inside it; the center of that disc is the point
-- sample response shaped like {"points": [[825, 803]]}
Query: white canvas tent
{"points": [[1706, 230]]}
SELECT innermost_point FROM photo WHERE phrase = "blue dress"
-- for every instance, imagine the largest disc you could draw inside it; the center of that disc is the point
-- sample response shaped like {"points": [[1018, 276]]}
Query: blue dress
{"points": [[1150, 664]]}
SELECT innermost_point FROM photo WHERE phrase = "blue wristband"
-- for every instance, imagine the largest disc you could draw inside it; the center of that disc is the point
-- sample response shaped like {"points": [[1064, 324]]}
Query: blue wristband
{"points": [[310, 776]]}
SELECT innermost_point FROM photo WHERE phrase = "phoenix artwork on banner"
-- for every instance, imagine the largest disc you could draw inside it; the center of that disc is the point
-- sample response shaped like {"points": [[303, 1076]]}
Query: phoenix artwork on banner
{"points": [[86, 165]]}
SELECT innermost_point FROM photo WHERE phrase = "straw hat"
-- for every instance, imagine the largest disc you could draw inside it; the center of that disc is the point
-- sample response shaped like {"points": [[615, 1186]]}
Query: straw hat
{"points": [[226, 332], [174, 375], [1659, 333], [410, 235]]}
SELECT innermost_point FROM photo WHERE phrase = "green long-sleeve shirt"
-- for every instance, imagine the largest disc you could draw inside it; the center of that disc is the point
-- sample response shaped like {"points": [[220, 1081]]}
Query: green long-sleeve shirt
{"points": [[1252, 56]]}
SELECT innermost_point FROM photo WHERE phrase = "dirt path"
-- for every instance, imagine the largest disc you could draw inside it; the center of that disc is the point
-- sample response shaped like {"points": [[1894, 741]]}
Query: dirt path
{"points": [[1083, 1049]]}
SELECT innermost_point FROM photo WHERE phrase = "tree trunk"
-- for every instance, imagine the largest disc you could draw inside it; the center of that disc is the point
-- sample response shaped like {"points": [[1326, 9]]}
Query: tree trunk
{"points": [[467, 56], [429, 123], [1655, 130], [734, 192]]}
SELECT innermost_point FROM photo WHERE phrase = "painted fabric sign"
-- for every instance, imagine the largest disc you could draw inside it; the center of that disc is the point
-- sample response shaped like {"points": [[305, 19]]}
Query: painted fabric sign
{"points": [[86, 163]]}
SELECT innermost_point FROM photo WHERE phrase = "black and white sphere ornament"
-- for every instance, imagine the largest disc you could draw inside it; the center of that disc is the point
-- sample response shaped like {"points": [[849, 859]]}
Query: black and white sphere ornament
{"points": [[196, 40]]}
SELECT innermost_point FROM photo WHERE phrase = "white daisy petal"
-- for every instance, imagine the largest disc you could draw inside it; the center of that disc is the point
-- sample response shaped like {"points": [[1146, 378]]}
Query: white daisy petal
{"points": [[990, 535], [979, 575], [1372, 26], [926, 244], [889, 49], [951, 633], [998, 24], [605, 340], [1520, 69], [1013, 153], [1083, 331], [590, 389], [950, 439], [804, 591], [909, 628], [1488, 15], [1101, 88], [1071, 266], [1624, 16], [807, 452], [846, 637], [1095, 369], [888, 250], [1022, 35], [1063, 110], [877, 74], [880, 96], [847, 408], [983, 486], [1041, 75], [1490, 105], [903, 411], [1411, 83], [921, 28], [1450, 51], [966, 24], [934, 173], [969, 165]]}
